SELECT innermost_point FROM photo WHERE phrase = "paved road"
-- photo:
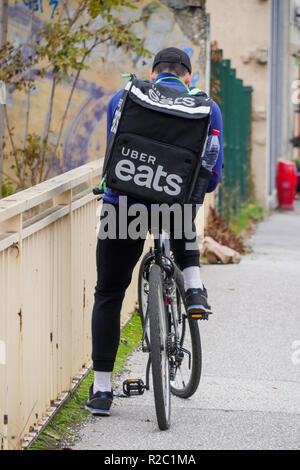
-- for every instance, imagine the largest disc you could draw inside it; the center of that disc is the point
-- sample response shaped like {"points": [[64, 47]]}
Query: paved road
{"points": [[249, 397]]}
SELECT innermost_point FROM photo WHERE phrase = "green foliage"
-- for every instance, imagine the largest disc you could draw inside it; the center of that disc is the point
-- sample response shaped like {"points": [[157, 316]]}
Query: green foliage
{"points": [[297, 58], [215, 83], [231, 198], [27, 160], [63, 47], [62, 51], [13, 67], [247, 214], [297, 162], [7, 187], [296, 141], [130, 339], [63, 427], [104, 8], [67, 43]]}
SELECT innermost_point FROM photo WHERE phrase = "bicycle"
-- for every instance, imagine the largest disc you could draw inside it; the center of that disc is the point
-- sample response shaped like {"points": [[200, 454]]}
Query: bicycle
{"points": [[171, 338], [167, 332]]}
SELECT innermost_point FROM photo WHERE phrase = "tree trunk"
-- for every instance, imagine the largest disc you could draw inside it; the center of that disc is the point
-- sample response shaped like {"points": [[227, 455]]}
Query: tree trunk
{"points": [[10, 135], [66, 111], [3, 39], [46, 130]]}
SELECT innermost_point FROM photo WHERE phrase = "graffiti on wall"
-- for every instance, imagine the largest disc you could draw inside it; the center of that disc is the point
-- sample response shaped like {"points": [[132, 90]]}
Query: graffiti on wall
{"points": [[196, 75], [89, 108], [38, 5], [85, 133]]}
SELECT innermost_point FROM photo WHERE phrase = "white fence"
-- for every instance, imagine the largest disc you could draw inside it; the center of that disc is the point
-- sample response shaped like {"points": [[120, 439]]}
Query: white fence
{"points": [[47, 279], [48, 237]]}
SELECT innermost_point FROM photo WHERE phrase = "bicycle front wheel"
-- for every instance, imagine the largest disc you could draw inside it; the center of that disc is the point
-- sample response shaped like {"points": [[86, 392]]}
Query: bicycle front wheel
{"points": [[143, 285], [159, 348]]}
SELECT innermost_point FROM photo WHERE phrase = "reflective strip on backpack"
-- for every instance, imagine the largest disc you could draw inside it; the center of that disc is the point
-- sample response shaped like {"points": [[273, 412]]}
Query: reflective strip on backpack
{"points": [[176, 107]]}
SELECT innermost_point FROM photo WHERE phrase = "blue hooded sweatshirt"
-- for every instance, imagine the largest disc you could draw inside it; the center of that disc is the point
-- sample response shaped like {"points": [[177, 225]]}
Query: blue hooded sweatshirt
{"points": [[215, 123]]}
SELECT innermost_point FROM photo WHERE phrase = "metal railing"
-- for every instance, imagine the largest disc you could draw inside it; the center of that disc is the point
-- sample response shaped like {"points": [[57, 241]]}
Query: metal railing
{"points": [[236, 107], [48, 237]]}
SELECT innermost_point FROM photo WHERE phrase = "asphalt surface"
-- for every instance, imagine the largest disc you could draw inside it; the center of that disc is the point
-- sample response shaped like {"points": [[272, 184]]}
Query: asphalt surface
{"points": [[249, 395]]}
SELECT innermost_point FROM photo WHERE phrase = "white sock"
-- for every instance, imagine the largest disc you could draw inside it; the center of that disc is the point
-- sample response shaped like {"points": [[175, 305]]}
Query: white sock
{"points": [[192, 278], [102, 381]]}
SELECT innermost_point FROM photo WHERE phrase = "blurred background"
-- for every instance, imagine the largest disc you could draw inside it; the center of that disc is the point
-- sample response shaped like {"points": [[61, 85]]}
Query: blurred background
{"points": [[60, 63]]}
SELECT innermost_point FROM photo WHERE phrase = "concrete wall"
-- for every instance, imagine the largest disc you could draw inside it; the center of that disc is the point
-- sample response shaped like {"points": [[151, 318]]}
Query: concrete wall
{"points": [[241, 29]]}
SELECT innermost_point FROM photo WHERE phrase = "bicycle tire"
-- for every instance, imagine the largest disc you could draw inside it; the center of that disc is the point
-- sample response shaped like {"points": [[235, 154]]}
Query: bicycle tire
{"points": [[191, 386], [142, 300], [158, 347]]}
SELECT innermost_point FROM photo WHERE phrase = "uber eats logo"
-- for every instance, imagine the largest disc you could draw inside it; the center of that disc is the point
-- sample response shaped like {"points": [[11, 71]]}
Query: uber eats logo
{"points": [[157, 97], [149, 174]]}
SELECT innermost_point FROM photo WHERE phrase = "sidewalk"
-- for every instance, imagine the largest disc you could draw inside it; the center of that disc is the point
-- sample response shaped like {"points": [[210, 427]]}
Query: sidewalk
{"points": [[249, 396]]}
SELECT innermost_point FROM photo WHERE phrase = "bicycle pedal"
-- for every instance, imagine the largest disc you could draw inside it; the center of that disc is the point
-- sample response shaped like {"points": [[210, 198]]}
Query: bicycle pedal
{"points": [[133, 387], [200, 316]]}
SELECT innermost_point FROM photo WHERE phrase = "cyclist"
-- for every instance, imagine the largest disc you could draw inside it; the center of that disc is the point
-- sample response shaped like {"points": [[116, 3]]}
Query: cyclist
{"points": [[116, 258]]}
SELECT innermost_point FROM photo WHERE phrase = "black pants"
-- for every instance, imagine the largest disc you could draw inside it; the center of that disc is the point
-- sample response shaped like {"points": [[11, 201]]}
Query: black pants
{"points": [[116, 259]]}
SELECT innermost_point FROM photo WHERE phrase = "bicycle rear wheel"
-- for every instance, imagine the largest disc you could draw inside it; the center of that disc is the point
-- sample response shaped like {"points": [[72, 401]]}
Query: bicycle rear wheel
{"points": [[185, 367], [159, 350]]}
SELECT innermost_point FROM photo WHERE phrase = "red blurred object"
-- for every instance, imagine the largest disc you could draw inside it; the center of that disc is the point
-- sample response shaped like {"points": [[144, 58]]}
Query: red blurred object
{"points": [[286, 181]]}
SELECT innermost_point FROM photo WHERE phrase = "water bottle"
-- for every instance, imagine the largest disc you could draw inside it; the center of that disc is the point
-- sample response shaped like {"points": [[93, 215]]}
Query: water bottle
{"points": [[208, 162], [212, 150]]}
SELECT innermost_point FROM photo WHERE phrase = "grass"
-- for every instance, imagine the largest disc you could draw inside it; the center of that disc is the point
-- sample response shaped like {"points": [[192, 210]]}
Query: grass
{"points": [[63, 428], [7, 188], [247, 215]]}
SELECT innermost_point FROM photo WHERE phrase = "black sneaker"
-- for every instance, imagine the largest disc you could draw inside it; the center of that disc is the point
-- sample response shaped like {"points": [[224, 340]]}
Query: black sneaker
{"points": [[100, 402], [196, 302]]}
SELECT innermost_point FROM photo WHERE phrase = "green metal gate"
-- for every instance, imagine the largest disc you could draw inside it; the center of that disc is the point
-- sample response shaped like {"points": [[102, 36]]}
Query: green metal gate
{"points": [[234, 100]]}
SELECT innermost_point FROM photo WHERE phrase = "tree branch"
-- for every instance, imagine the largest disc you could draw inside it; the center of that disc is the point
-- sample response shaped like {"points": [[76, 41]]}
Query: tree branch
{"points": [[15, 153], [45, 135], [22, 170], [3, 39], [82, 6], [10, 177], [97, 43]]}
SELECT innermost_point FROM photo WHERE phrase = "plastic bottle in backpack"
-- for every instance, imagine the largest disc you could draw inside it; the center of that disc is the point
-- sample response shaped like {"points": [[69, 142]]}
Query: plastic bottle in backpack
{"points": [[212, 150], [208, 162]]}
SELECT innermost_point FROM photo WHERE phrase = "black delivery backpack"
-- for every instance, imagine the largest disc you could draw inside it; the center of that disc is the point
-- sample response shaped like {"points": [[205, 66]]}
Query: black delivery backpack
{"points": [[156, 142]]}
